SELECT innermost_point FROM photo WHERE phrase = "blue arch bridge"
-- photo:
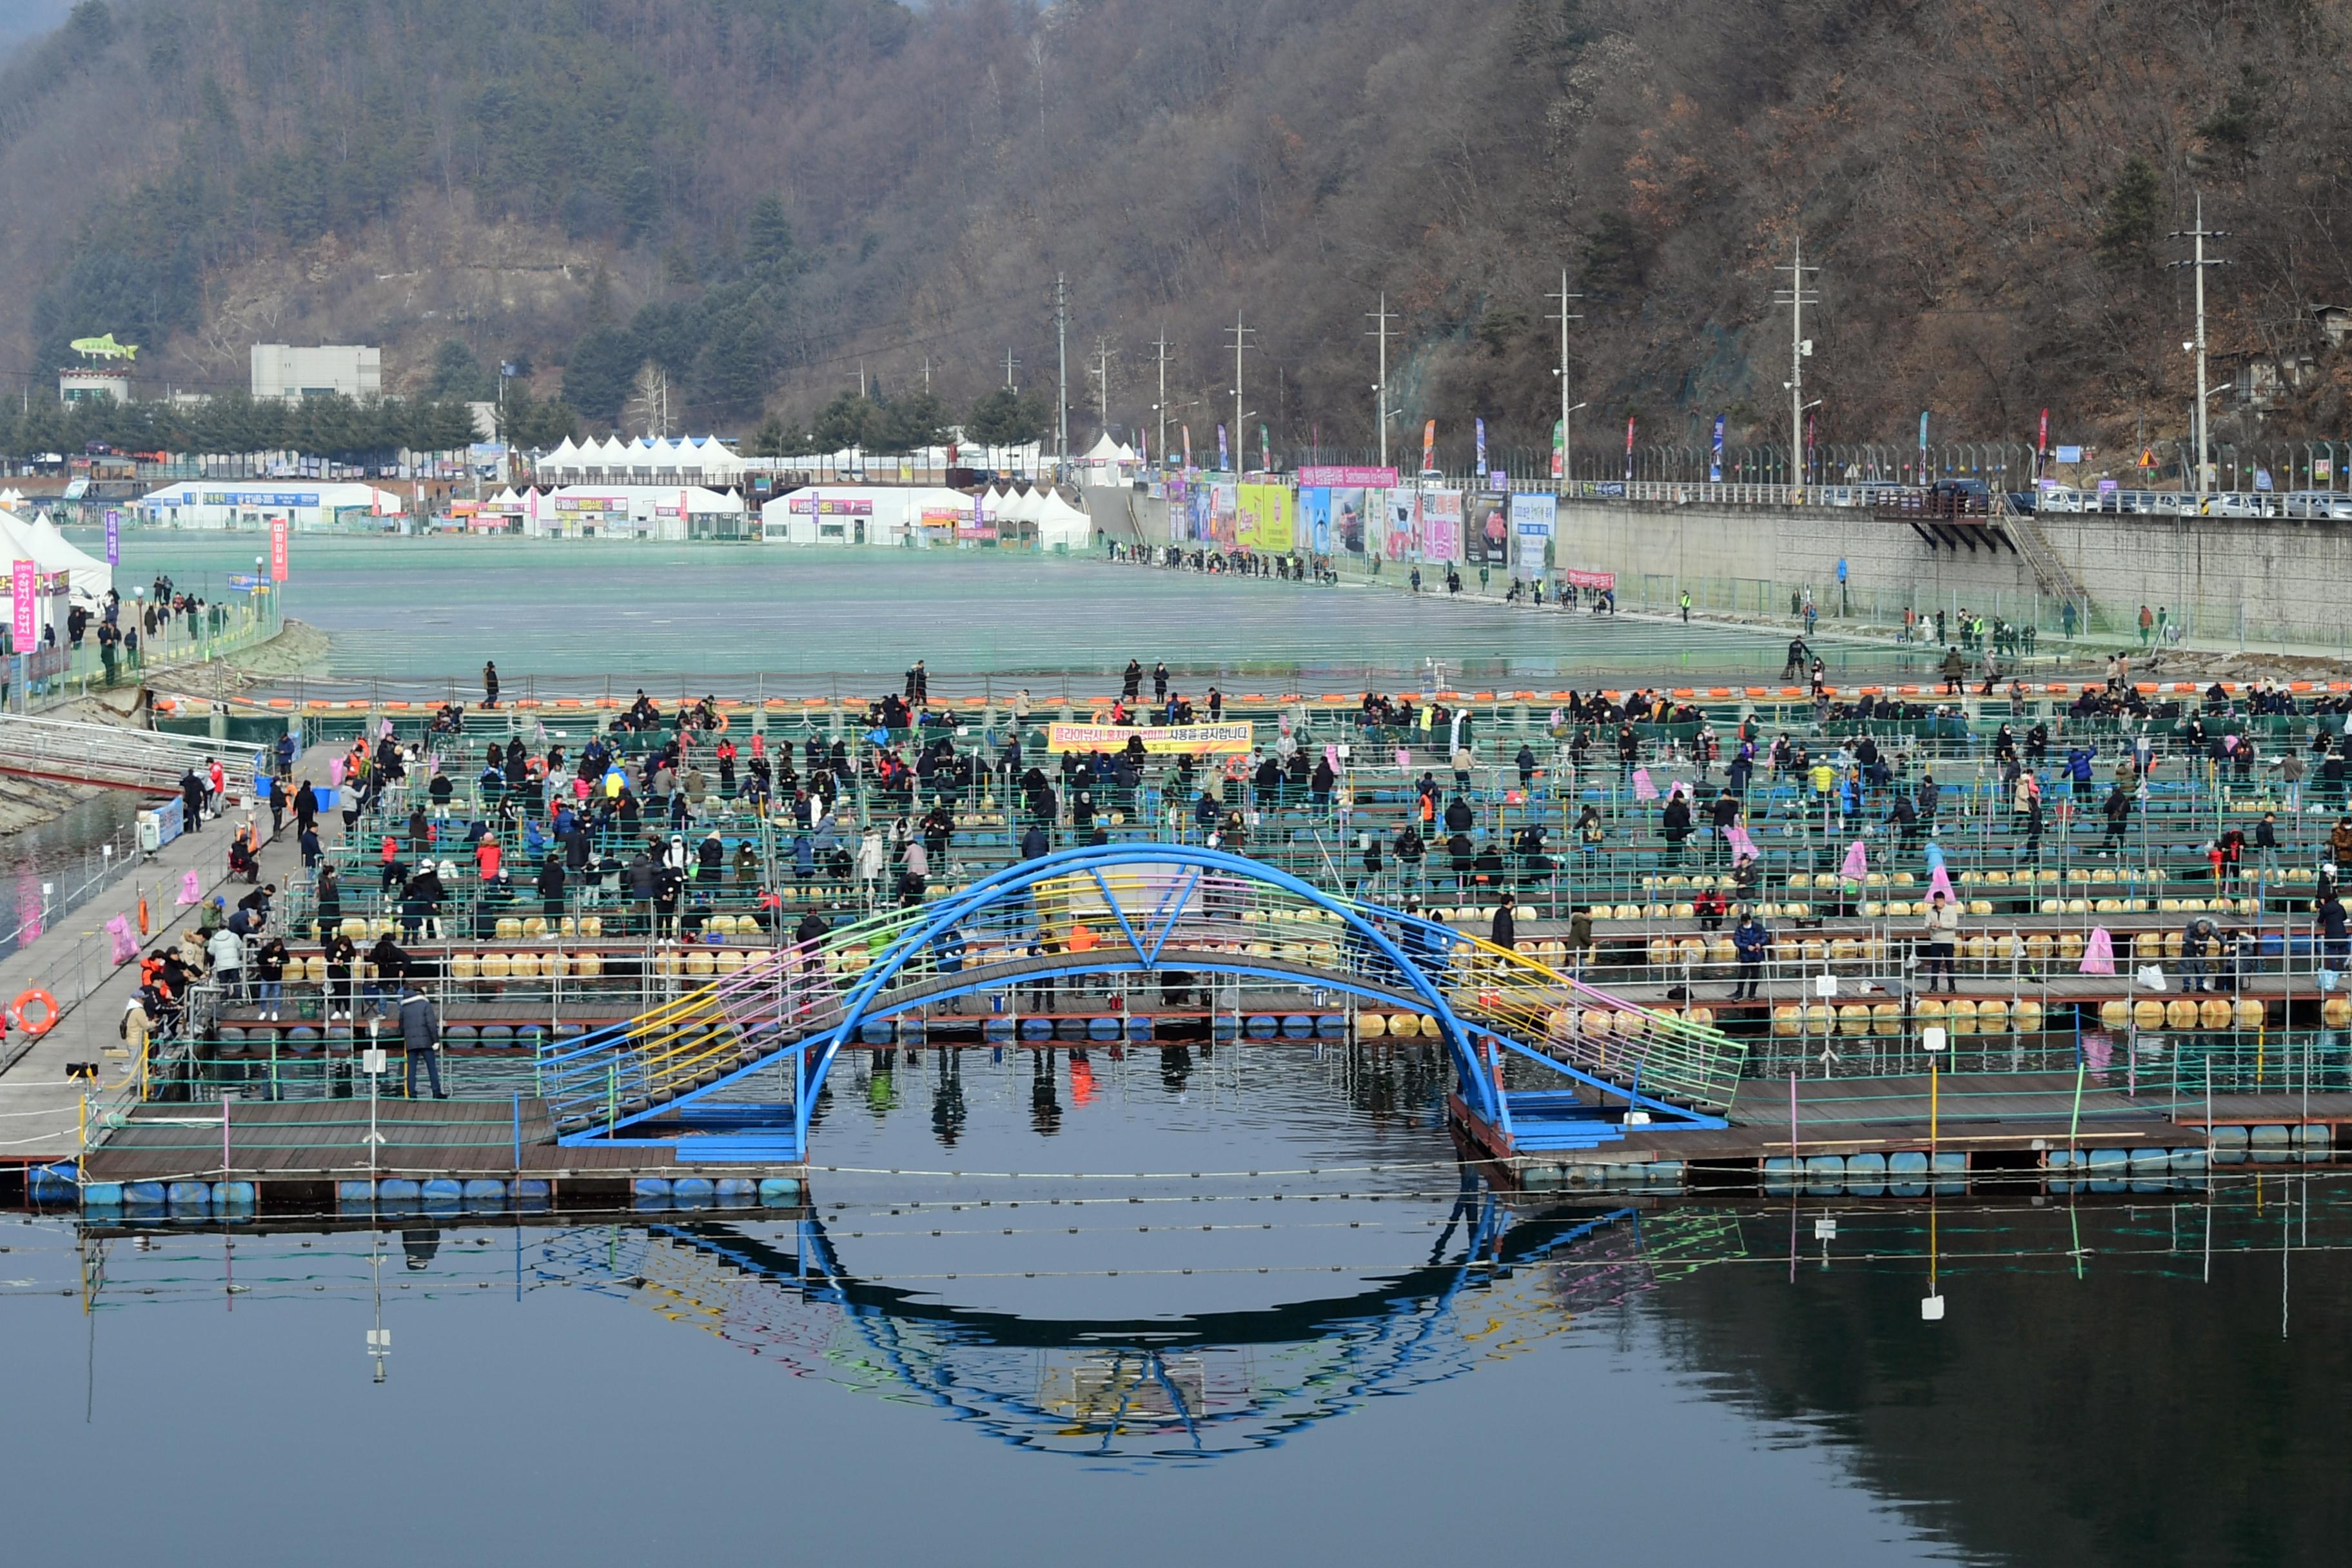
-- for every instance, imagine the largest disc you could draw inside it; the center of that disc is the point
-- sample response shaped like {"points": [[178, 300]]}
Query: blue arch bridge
{"points": [[733, 1070]]}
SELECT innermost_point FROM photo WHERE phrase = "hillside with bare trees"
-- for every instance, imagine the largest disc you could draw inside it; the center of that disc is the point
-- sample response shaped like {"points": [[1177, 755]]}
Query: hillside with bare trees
{"points": [[773, 202]]}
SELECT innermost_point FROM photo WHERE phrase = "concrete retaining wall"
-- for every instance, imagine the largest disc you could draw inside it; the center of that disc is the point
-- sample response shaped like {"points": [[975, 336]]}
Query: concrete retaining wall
{"points": [[2226, 578]]}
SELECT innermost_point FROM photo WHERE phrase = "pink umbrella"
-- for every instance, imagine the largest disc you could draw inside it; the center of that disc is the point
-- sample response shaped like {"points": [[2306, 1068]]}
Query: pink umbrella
{"points": [[1938, 882], [1642, 788]]}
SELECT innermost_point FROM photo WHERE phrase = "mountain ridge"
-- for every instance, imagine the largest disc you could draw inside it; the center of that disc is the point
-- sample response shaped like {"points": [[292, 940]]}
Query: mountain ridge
{"points": [[775, 201]]}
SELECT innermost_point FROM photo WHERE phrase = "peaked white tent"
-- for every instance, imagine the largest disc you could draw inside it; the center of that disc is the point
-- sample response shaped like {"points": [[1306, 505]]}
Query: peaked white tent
{"points": [[1060, 523], [40, 542]]}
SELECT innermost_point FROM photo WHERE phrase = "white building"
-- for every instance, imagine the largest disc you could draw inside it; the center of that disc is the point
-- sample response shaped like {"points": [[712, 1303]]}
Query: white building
{"points": [[308, 505], [281, 371], [1012, 517], [635, 511], [84, 382]]}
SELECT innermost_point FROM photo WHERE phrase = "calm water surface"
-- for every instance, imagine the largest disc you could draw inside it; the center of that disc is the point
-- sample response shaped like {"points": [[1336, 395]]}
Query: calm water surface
{"points": [[1330, 1345]]}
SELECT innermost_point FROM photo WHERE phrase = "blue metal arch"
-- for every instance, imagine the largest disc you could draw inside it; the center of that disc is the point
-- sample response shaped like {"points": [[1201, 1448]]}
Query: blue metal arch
{"points": [[814, 1064]]}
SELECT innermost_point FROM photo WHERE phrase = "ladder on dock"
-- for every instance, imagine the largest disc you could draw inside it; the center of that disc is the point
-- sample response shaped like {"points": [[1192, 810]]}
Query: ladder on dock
{"points": [[114, 757]]}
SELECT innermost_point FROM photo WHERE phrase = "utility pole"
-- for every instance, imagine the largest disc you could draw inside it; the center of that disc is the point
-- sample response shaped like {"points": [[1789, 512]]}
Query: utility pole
{"points": [[1159, 358], [1380, 320], [2196, 264], [1796, 296], [1062, 350], [1104, 355], [1242, 335], [1565, 316], [1011, 368]]}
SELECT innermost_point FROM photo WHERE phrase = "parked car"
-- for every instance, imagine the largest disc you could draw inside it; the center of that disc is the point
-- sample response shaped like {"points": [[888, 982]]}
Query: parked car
{"points": [[2315, 504]]}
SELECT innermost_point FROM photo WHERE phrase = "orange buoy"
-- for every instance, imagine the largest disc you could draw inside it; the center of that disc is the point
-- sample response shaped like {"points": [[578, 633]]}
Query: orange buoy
{"points": [[30, 998]]}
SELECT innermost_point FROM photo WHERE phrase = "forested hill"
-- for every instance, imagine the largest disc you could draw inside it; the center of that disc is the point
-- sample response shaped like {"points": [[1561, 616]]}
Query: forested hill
{"points": [[765, 198]]}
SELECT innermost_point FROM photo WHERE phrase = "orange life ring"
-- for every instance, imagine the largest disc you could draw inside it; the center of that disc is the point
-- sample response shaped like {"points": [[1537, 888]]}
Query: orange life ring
{"points": [[1099, 717], [48, 1005], [720, 728]]}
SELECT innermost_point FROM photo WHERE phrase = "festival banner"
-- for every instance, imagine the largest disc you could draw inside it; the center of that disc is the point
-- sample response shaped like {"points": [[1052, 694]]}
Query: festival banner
{"points": [[1559, 449], [20, 602], [1352, 511], [1315, 518], [1224, 453], [1340, 477], [1441, 525], [1715, 459], [1404, 525], [1182, 739], [1591, 579], [1264, 449], [1487, 541], [1533, 519], [1481, 448], [277, 550], [1265, 519], [1428, 447], [113, 537], [1188, 447], [1223, 506], [1629, 448]]}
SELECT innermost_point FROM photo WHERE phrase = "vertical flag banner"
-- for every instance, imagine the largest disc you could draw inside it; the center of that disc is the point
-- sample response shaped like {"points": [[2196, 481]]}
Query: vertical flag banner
{"points": [[1923, 445], [1715, 462], [1264, 449], [1629, 448], [20, 602], [1224, 453], [277, 550], [2043, 445], [1429, 445], [113, 537], [1559, 449], [1481, 448], [1187, 446]]}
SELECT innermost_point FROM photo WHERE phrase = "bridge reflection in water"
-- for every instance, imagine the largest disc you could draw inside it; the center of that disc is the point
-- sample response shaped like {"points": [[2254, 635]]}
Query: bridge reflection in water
{"points": [[1146, 1388]]}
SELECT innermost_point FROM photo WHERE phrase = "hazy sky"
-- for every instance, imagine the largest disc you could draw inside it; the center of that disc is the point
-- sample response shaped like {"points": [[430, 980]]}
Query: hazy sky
{"points": [[23, 19]]}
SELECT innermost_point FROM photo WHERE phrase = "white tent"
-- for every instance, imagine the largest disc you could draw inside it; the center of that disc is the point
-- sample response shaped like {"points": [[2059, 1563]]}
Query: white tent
{"points": [[40, 542], [1060, 523]]}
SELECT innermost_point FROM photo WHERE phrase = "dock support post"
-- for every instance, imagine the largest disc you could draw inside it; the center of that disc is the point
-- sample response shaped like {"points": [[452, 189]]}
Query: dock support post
{"points": [[1792, 1116], [2074, 1121], [518, 1135]]}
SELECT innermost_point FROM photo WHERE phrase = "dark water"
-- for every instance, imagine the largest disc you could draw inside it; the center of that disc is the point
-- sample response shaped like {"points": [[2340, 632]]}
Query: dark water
{"points": [[66, 857], [1330, 1345]]}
